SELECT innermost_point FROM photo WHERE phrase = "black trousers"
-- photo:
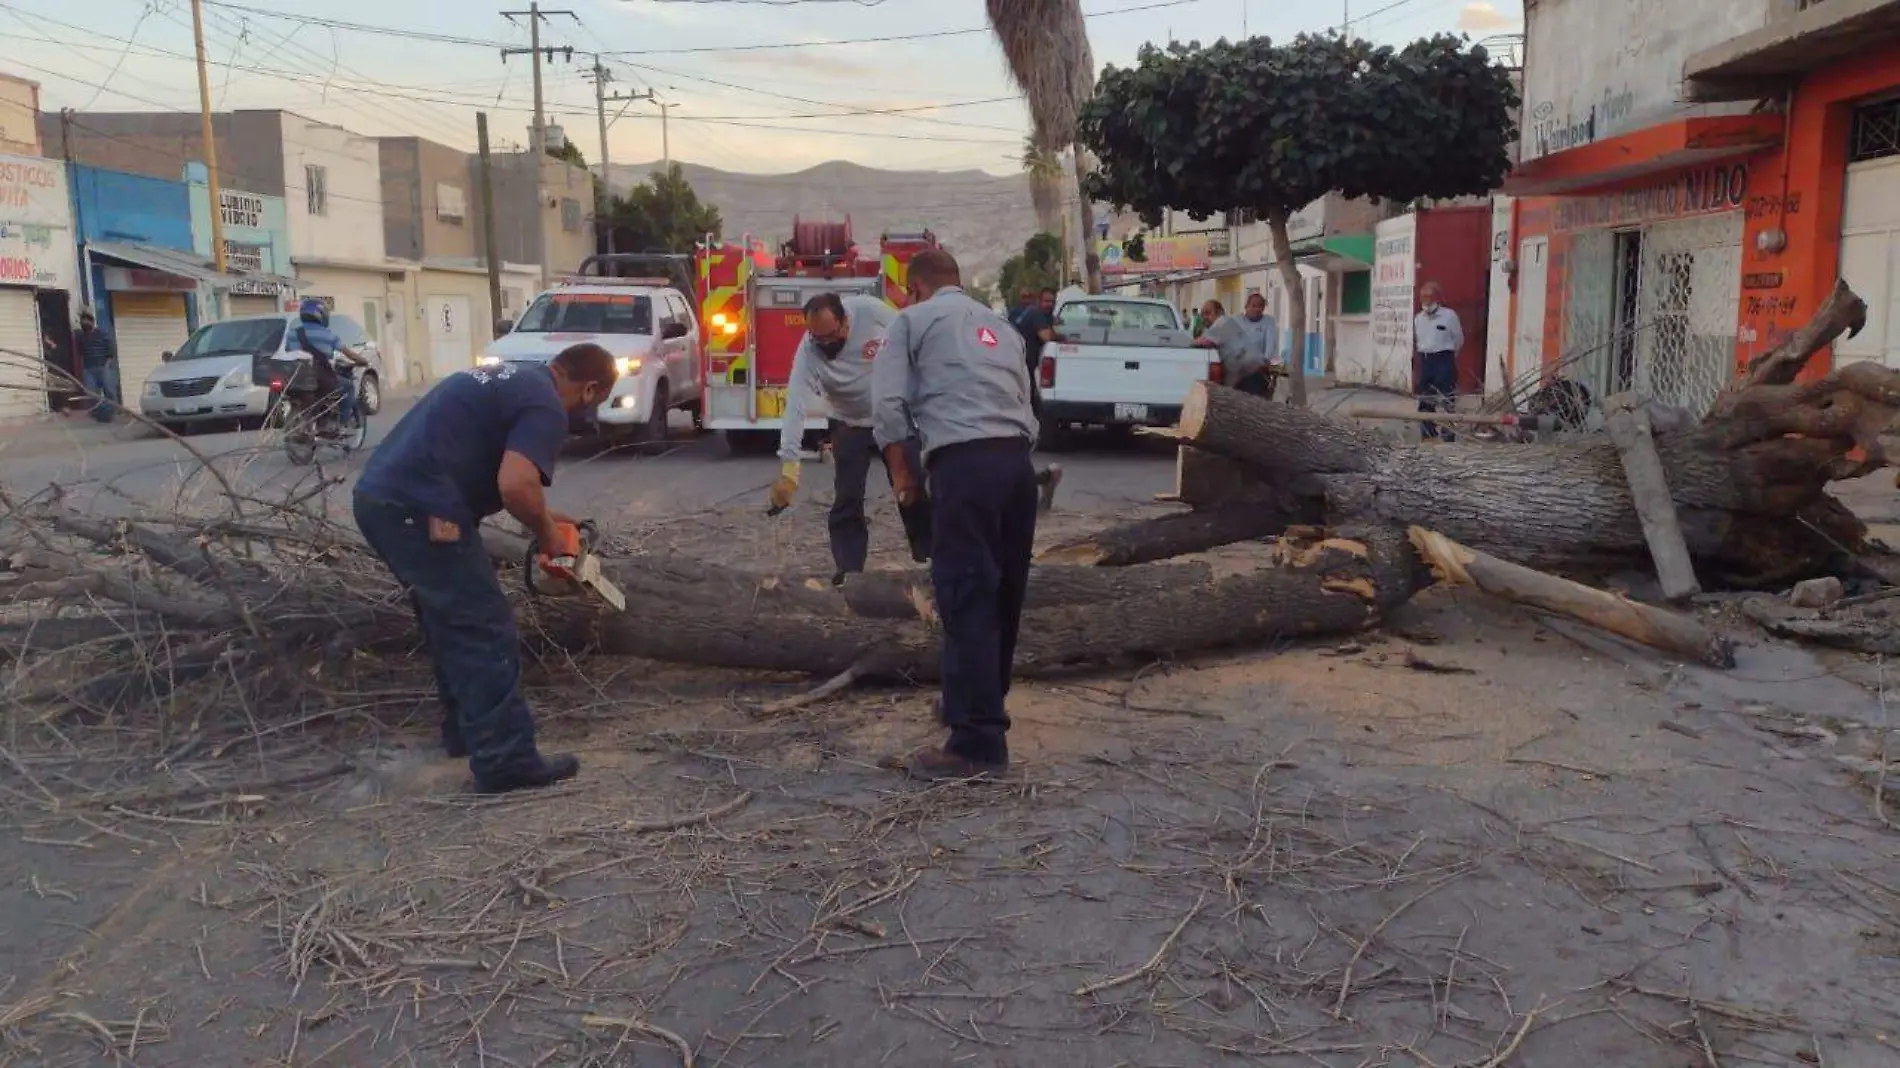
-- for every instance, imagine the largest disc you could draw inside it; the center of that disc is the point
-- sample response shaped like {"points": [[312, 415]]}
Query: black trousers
{"points": [[1437, 389], [984, 496], [853, 449]]}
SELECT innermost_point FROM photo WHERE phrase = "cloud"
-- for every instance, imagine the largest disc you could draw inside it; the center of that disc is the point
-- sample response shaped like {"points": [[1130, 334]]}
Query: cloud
{"points": [[1479, 16], [815, 61]]}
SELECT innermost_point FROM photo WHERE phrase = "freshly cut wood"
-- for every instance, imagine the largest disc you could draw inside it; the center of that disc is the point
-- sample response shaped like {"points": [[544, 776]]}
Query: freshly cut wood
{"points": [[1326, 585], [1657, 628], [1628, 424]]}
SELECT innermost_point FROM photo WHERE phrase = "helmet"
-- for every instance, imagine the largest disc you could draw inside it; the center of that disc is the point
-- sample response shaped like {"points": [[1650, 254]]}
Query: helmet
{"points": [[313, 311]]}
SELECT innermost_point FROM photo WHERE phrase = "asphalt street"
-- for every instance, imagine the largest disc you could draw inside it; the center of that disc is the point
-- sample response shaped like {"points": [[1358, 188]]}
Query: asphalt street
{"points": [[101, 468]]}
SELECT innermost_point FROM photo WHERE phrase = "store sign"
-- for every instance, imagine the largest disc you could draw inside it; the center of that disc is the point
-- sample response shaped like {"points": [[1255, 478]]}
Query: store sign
{"points": [[36, 246], [1702, 191], [141, 280], [239, 256], [1308, 222], [1394, 271], [1183, 252], [241, 209]]}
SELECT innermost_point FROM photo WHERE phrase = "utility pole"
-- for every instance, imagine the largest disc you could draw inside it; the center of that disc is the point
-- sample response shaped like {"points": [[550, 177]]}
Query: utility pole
{"points": [[488, 223], [666, 139], [211, 142], [603, 194], [538, 137]]}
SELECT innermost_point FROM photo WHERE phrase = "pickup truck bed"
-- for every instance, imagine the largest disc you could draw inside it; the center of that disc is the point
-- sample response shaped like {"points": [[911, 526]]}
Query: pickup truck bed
{"points": [[1108, 377]]}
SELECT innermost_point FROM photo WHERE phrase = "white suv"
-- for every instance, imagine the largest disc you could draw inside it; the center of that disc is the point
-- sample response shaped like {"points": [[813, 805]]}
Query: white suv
{"points": [[648, 327]]}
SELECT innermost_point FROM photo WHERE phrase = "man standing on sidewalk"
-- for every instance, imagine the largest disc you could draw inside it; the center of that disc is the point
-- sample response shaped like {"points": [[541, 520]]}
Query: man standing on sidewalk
{"points": [[955, 371], [1439, 336], [833, 363], [99, 366]]}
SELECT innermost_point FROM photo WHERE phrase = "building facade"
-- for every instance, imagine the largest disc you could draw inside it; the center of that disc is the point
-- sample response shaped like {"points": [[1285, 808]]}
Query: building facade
{"points": [[1694, 178], [19, 116], [256, 242], [550, 227], [39, 278]]}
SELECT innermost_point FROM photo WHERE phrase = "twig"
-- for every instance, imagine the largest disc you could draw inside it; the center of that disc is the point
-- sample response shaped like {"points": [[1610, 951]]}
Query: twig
{"points": [[1510, 1048], [1152, 962], [655, 826], [629, 1024], [1345, 981], [837, 684]]}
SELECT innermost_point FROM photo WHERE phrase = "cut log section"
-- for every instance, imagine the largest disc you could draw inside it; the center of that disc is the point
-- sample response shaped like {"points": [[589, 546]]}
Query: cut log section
{"points": [[1628, 424], [1671, 632]]}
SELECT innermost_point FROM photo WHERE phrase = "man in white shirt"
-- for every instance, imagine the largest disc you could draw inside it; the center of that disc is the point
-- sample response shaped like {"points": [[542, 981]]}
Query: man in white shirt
{"points": [[1438, 336]]}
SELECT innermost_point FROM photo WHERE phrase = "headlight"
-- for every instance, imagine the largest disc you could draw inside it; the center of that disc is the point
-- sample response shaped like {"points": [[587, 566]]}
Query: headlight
{"points": [[728, 328], [152, 390], [488, 361], [719, 319], [626, 365], [237, 379]]}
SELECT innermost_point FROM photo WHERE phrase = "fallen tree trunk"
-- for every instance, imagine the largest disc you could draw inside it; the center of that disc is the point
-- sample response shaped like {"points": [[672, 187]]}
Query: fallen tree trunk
{"points": [[1329, 585]]}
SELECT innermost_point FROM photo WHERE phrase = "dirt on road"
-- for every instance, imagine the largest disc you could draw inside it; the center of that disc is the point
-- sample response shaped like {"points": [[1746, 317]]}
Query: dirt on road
{"points": [[1472, 839]]}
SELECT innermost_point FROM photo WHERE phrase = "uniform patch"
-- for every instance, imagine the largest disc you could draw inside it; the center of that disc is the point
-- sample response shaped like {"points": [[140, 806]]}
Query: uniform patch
{"points": [[871, 348], [987, 336]]}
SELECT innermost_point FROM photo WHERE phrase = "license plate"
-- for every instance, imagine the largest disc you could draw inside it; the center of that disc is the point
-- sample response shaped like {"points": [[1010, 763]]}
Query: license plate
{"points": [[1131, 413]]}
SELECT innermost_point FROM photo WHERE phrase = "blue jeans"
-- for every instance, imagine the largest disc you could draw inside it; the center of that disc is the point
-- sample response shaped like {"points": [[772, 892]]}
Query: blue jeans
{"points": [[102, 380], [1437, 389], [470, 630], [983, 512], [346, 399]]}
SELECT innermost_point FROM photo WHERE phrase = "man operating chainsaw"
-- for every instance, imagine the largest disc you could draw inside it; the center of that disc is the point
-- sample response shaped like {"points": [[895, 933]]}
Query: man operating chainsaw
{"points": [[477, 443], [833, 364]]}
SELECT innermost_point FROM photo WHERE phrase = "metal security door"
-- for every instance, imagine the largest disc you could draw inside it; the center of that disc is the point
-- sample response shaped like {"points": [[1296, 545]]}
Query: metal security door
{"points": [[22, 368], [449, 336], [1688, 297]]}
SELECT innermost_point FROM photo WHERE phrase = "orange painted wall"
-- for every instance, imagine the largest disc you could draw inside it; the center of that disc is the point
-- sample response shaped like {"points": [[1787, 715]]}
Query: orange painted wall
{"points": [[1800, 193]]}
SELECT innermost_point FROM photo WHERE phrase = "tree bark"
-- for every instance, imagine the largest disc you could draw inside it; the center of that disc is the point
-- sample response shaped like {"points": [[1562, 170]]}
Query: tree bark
{"points": [[1327, 586], [1657, 628], [1295, 306], [1091, 260], [1170, 536]]}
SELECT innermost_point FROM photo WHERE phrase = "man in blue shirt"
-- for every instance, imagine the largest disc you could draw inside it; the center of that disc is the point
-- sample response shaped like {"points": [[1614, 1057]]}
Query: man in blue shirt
{"points": [[477, 443], [99, 360]]}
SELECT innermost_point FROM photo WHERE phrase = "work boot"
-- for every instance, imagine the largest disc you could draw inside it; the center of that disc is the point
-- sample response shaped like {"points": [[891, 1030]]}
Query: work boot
{"points": [[936, 764], [532, 775], [1048, 478], [837, 578]]}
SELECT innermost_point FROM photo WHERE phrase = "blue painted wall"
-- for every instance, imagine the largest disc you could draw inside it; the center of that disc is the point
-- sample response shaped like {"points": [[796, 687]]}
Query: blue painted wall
{"points": [[116, 206]]}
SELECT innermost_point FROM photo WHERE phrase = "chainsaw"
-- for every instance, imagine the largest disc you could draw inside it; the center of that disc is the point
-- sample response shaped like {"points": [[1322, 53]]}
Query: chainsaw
{"points": [[585, 569]]}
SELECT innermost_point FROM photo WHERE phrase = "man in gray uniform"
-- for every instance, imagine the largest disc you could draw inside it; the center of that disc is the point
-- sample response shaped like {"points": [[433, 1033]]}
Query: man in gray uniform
{"points": [[833, 362], [1249, 345], [955, 370]]}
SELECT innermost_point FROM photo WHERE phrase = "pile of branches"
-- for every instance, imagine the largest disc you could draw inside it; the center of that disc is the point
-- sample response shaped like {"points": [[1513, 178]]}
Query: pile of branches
{"points": [[1342, 525]]}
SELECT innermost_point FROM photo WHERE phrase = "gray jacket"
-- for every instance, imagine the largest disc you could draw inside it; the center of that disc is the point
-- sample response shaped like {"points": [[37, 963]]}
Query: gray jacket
{"points": [[844, 380], [955, 370]]}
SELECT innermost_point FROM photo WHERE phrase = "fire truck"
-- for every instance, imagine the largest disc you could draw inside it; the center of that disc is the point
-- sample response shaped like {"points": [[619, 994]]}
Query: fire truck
{"points": [[752, 316]]}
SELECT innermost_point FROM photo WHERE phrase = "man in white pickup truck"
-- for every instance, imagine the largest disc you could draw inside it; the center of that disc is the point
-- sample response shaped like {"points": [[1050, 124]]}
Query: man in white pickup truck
{"points": [[833, 363], [1249, 345]]}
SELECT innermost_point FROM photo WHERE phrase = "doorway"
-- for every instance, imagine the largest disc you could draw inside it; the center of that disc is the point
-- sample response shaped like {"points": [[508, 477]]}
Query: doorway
{"points": [[1623, 315], [62, 359]]}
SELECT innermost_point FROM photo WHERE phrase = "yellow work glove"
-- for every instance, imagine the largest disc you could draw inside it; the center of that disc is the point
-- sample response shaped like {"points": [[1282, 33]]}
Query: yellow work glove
{"points": [[787, 485]]}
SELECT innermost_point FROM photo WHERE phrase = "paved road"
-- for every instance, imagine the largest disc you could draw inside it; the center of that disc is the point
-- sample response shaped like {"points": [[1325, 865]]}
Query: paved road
{"points": [[692, 473]]}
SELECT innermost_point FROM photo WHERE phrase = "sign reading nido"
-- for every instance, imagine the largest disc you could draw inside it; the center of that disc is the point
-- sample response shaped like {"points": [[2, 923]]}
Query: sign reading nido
{"points": [[1698, 192]]}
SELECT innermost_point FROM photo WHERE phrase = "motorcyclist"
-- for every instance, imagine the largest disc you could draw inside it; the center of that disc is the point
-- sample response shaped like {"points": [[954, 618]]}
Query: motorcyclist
{"points": [[320, 345]]}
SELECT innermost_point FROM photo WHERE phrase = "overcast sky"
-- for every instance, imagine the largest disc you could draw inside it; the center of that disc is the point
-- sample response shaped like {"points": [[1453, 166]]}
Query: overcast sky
{"points": [[763, 118]]}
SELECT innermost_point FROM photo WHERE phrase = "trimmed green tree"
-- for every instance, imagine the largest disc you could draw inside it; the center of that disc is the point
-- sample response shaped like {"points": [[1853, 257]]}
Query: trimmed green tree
{"points": [[1269, 128], [662, 214]]}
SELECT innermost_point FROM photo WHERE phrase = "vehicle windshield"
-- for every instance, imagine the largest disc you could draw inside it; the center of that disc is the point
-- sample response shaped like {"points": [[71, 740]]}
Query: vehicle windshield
{"points": [[588, 313], [250, 337], [1115, 315]]}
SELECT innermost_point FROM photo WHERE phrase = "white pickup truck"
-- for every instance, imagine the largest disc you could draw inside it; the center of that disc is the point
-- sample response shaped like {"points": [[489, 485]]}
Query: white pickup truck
{"points": [[1119, 362]]}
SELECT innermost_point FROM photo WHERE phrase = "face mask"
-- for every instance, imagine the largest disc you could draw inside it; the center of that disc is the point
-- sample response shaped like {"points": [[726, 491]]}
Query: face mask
{"points": [[831, 348]]}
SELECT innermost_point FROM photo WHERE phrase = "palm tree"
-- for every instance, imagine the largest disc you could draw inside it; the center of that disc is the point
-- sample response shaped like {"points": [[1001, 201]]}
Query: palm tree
{"points": [[1046, 44], [1044, 169]]}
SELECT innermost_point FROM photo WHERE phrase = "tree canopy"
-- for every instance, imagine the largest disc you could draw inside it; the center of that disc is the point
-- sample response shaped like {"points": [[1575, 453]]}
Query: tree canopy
{"points": [[1037, 267], [662, 214], [1272, 127]]}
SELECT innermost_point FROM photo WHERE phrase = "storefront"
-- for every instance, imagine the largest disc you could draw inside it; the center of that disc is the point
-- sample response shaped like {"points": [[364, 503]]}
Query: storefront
{"points": [[1631, 278], [1827, 205], [256, 244], [149, 309], [38, 273]]}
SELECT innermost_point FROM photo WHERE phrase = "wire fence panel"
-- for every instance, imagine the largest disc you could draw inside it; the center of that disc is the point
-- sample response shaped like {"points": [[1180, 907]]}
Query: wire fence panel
{"points": [[1690, 292]]}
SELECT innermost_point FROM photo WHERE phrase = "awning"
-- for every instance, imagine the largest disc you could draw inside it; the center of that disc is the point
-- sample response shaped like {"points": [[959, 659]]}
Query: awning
{"points": [[182, 264], [1763, 62], [1666, 146], [1336, 253]]}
